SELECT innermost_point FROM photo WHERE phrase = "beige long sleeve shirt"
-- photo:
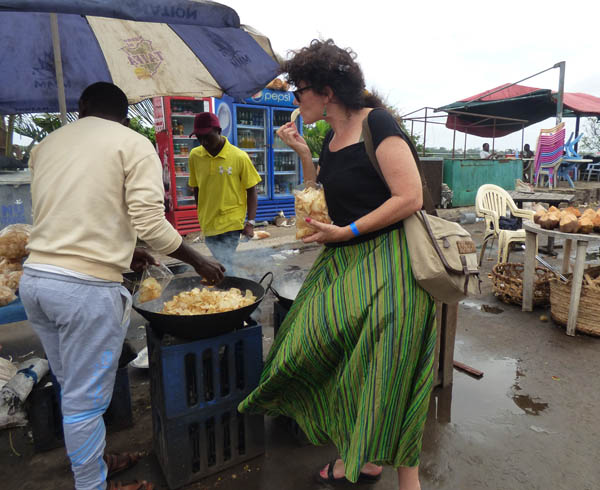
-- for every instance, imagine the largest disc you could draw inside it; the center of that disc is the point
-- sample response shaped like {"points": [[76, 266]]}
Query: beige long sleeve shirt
{"points": [[96, 186]]}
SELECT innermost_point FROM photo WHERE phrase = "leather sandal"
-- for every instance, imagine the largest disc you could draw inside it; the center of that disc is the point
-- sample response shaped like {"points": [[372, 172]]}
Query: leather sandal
{"points": [[363, 478], [118, 462], [136, 485]]}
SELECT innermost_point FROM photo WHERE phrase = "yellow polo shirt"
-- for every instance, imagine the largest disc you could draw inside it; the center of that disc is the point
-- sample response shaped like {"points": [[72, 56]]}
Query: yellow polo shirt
{"points": [[222, 181]]}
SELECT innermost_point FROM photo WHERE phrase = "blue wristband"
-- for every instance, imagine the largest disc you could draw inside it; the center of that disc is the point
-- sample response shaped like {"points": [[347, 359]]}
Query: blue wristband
{"points": [[354, 229]]}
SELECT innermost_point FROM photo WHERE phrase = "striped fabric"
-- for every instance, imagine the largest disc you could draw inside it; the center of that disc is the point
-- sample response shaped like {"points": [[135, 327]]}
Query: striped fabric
{"points": [[352, 362]]}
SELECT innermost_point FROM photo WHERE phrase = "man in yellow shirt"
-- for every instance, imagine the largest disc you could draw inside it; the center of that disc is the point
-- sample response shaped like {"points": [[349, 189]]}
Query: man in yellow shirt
{"points": [[224, 182]]}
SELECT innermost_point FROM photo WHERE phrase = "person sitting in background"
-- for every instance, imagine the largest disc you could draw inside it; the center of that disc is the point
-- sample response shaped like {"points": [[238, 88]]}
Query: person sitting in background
{"points": [[527, 153], [485, 154]]}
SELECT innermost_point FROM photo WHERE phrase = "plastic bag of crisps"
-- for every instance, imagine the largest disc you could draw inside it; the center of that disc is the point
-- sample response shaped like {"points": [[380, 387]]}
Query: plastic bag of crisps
{"points": [[310, 203], [13, 241], [155, 280]]}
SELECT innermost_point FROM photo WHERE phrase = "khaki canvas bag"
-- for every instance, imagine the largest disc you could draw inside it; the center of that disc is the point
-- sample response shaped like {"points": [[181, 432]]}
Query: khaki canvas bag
{"points": [[442, 254]]}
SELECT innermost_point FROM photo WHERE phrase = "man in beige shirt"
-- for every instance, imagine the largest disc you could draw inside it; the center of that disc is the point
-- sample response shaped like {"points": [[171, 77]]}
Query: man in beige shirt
{"points": [[96, 187]]}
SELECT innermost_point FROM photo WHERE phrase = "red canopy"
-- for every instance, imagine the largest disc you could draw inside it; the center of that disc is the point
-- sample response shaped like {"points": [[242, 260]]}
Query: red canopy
{"points": [[582, 104], [528, 104]]}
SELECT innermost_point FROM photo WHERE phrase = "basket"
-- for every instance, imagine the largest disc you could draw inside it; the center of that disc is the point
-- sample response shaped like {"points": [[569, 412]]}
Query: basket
{"points": [[588, 316], [507, 283]]}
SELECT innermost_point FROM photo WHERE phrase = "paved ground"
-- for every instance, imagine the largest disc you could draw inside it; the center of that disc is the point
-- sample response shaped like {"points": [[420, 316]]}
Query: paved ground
{"points": [[530, 423]]}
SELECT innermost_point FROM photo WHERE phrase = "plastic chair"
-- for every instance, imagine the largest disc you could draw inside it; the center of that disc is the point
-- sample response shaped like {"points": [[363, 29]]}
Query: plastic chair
{"points": [[491, 203], [564, 171], [592, 169], [549, 154]]}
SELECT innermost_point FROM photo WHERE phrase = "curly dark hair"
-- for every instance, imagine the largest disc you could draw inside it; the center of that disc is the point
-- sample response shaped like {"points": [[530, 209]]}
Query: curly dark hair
{"points": [[323, 64]]}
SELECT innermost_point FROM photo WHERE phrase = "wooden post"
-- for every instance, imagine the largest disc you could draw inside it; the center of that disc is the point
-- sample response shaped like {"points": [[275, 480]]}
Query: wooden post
{"points": [[529, 270], [567, 257], [576, 286]]}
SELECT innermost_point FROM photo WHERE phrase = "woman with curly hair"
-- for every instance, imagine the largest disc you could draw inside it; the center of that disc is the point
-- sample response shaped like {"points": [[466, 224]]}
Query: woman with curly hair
{"points": [[353, 360]]}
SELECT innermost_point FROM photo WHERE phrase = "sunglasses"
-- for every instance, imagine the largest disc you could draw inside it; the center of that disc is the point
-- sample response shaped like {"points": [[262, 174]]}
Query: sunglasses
{"points": [[299, 91]]}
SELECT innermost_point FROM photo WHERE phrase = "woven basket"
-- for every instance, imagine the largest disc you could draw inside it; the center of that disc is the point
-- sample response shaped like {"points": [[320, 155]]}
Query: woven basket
{"points": [[507, 282], [588, 316]]}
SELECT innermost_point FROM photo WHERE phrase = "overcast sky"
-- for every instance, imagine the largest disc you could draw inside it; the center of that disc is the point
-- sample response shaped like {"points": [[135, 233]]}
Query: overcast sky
{"points": [[431, 52]]}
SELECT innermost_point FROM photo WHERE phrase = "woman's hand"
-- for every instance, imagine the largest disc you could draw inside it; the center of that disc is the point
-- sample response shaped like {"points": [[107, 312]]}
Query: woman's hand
{"points": [[291, 137], [327, 233]]}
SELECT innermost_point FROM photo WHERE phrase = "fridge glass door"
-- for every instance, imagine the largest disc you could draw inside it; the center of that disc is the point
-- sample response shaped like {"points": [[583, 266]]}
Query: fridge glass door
{"points": [[286, 163], [251, 137], [183, 112]]}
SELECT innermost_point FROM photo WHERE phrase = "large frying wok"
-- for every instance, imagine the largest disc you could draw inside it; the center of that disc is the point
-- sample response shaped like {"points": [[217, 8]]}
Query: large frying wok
{"points": [[286, 289], [194, 327]]}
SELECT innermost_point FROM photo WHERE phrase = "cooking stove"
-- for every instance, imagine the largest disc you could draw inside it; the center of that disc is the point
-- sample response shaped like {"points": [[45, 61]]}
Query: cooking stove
{"points": [[195, 389]]}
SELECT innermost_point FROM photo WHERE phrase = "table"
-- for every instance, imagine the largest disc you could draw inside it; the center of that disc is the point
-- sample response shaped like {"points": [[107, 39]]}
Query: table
{"points": [[582, 242], [553, 198], [563, 170]]}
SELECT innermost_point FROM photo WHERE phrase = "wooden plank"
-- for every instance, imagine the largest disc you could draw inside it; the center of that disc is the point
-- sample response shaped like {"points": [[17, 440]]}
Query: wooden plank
{"points": [[468, 369], [567, 256], [576, 286], [529, 270]]}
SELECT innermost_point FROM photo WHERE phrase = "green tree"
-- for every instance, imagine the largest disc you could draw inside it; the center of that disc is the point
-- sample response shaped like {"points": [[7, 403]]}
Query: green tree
{"points": [[314, 134], [591, 139]]}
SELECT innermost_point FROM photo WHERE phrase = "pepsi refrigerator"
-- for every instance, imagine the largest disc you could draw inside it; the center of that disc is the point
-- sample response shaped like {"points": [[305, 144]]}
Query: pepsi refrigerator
{"points": [[173, 123], [252, 127]]}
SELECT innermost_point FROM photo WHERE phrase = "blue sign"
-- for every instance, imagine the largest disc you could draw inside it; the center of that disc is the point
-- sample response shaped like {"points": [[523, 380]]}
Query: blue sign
{"points": [[272, 97]]}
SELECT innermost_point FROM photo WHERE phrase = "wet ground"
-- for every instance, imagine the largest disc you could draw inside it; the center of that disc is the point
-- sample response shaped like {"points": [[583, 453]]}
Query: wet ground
{"points": [[530, 423]]}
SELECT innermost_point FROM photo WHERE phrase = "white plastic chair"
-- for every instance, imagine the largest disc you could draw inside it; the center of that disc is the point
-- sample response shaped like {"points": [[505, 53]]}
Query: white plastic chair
{"points": [[491, 203]]}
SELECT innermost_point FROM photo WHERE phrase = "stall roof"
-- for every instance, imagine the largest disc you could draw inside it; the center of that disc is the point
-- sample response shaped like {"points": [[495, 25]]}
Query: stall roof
{"points": [[525, 105]]}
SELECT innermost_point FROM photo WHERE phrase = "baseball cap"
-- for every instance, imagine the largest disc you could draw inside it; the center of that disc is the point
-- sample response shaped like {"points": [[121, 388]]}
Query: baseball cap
{"points": [[204, 122]]}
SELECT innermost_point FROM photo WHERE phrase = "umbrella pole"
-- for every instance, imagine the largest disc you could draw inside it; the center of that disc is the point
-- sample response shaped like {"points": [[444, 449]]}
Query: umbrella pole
{"points": [[561, 91], [60, 82]]}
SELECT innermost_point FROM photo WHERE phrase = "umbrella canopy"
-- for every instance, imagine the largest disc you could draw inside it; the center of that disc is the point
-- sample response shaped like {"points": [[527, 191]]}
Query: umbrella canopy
{"points": [[529, 105], [165, 47]]}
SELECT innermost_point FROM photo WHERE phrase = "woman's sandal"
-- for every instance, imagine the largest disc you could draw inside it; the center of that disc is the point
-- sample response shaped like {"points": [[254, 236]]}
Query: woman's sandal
{"points": [[363, 478], [118, 462], [143, 485]]}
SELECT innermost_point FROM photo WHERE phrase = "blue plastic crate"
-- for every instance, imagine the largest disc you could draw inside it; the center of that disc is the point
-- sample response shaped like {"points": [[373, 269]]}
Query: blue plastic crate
{"points": [[188, 376], [206, 441]]}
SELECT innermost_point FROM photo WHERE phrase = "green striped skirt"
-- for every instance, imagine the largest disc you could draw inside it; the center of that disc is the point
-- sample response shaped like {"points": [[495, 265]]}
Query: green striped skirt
{"points": [[353, 361]]}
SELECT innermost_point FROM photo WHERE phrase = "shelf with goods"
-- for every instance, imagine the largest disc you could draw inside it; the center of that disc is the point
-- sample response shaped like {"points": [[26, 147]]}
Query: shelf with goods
{"points": [[252, 126], [174, 122]]}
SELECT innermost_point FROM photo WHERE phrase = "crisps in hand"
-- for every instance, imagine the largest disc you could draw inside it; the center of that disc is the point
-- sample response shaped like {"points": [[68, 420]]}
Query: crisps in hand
{"points": [[310, 203], [149, 290], [155, 280], [207, 300], [295, 114]]}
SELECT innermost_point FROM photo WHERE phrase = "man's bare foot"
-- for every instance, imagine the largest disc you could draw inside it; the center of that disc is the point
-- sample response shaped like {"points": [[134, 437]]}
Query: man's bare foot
{"points": [[339, 470]]}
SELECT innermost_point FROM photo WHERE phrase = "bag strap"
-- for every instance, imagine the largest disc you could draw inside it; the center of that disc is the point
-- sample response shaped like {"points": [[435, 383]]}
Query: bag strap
{"points": [[428, 205]]}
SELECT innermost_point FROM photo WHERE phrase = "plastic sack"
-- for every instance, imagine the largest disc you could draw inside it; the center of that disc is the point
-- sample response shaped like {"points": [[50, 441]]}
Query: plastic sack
{"points": [[7, 266], [13, 241], [11, 279], [155, 280], [7, 295], [310, 203]]}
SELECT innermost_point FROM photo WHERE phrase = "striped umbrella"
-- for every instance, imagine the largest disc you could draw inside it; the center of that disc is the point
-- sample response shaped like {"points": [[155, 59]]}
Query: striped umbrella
{"points": [[53, 49]]}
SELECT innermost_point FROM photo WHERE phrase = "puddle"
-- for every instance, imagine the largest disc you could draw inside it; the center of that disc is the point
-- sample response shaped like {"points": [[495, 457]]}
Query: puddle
{"points": [[529, 405], [496, 394], [491, 309], [592, 255]]}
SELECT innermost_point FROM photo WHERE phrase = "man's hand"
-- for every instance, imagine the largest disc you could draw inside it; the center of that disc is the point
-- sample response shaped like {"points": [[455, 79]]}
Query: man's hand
{"points": [[207, 267], [248, 230], [142, 259]]}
